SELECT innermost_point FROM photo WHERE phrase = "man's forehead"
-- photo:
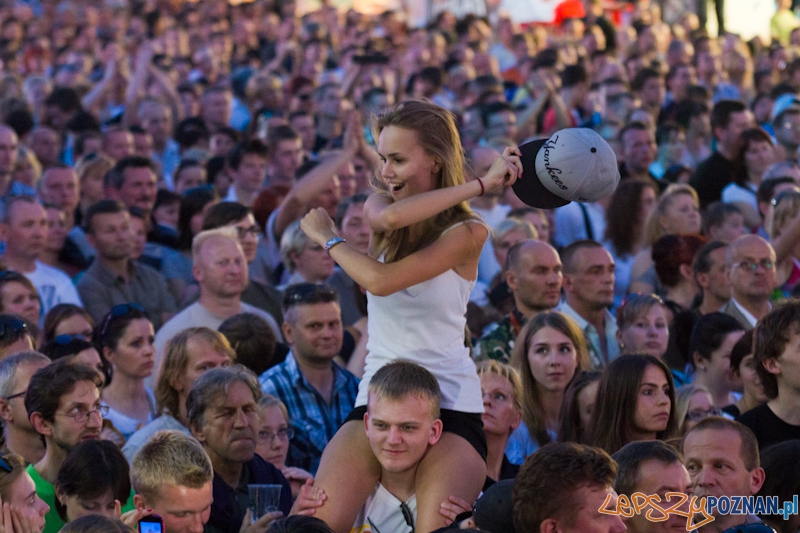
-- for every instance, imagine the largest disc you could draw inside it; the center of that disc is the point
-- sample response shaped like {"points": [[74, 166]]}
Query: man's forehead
{"points": [[654, 474], [591, 256], [712, 443], [82, 392]]}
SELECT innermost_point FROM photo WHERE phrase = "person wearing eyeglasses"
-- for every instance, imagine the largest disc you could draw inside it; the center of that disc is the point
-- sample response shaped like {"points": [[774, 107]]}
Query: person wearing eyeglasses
{"points": [[652, 467], [114, 278], [17, 490], [751, 270], [64, 407], [722, 459], [692, 404], [19, 435], [223, 412], [272, 441]]}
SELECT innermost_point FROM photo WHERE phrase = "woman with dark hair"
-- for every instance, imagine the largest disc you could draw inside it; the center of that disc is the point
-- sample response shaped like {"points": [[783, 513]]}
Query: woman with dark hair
{"points": [[635, 401], [625, 235], [549, 351], [126, 338], [18, 297], [94, 479], [755, 153], [673, 256], [744, 369], [710, 346], [67, 319], [579, 407]]}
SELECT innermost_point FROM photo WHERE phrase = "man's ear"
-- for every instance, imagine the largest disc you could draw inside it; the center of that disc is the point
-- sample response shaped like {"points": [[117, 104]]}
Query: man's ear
{"points": [[42, 426], [197, 272], [686, 271], [5, 410], [286, 328], [197, 433], [3, 231], [698, 360], [511, 279], [566, 282], [436, 432], [757, 477], [139, 503], [772, 365], [366, 422], [701, 279], [549, 525]]}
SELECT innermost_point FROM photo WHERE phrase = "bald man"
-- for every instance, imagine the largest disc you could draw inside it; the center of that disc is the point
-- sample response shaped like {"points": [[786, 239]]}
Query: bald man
{"points": [[534, 278], [750, 263]]}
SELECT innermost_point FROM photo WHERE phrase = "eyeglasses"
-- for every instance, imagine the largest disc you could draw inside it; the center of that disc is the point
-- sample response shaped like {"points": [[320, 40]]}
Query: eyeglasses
{"points": [[12, 326], [17, 395], [697, 415], [81, 415], [244, 232], [119, 311], [283, 434], [752, 266], [791, 193]]}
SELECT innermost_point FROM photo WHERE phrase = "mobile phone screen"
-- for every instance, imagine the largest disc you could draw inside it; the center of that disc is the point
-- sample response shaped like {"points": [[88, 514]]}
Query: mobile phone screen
{"points": [[150, 527]]}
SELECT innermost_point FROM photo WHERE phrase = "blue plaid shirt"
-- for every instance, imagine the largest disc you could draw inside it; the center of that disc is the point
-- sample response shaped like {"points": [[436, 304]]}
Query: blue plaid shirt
{"points": [[314, 421]]}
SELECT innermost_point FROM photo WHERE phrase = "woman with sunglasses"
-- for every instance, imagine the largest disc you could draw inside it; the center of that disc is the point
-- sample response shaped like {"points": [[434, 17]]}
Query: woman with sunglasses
{"points": [[22, 509], [126, 338], [67, 319], [425, 247]]}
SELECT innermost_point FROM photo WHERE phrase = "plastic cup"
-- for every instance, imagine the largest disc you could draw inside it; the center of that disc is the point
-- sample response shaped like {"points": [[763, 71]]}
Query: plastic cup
{"points": [[263, 499]]}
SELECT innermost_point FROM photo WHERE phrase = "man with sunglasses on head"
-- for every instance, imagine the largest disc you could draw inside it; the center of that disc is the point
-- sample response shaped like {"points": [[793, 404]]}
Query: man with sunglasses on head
{"points": [[114, 277], [751, 270], [63, 404], [18, 433], [318, 393]]}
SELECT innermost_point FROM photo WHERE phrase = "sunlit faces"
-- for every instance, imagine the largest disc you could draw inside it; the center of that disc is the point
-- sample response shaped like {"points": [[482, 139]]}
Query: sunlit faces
{"points": [[406, 167], [682, 216], [750, 381], [714, 460], [24, 498], [56, 229], [731, 229], [111, 235], [553, 359], [400, 431], [90, 357], [699, 406], [248, 233], [501, 415], [592, 283], [653, 404], [646, 334], [315, 331], [272, 441], [747, 282], [64, 430], [183, 509], [138, 188], [17, 415], [135, 353], [222, 268], [230, 425], [717, 368], [250, 174], [506, 241], [17, 299], [355, 229], [26, 231], [536, 277], [787, 366], [657, 477], [202, 356]]}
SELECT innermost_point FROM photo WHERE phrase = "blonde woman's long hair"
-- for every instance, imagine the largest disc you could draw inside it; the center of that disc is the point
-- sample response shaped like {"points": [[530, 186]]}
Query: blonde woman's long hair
{"points": [[653, 229], [436, 132], [787, 206]]}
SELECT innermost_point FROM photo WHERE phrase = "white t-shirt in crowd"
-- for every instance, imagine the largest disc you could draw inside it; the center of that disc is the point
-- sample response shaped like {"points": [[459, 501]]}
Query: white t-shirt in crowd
{"points": [[383, 513], [54, 287]]}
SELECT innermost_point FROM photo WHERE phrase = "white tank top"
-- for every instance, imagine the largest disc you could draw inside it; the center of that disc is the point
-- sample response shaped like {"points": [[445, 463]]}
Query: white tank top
{"points": [[425, 324]]}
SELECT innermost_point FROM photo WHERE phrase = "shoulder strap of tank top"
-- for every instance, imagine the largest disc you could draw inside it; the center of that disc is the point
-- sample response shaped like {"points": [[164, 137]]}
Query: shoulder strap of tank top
{"points": [[468, 221]]}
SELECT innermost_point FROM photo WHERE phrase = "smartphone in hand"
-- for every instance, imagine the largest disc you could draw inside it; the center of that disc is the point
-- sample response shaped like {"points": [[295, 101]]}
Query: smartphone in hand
{"points": [[151, 524]]}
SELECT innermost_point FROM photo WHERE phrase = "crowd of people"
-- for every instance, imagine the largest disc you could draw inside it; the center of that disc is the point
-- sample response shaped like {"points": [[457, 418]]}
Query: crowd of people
{"points": [[245, 245]]}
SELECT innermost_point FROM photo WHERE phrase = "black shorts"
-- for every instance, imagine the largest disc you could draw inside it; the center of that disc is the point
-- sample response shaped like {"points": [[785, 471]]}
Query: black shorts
{"points": [[468, 426]]}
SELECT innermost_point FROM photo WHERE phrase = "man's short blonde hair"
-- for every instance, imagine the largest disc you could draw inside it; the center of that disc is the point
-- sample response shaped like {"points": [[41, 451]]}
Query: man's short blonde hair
{"points": [[169, 458], [227, 232]]}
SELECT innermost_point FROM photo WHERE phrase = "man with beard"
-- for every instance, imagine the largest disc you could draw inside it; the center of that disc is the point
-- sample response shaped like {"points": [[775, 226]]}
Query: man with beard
{"points": [[63, 403], [318, 393], [223, 411], [220, 269], [114, 278]]}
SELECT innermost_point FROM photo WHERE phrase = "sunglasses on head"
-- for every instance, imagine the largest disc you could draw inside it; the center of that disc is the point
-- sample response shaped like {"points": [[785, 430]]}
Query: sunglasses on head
{"points": [[5, 466], [119, 311], [63, 340], [12, 326]]}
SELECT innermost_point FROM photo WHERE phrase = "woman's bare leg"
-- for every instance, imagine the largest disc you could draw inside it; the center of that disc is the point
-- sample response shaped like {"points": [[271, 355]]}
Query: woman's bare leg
{"points": [[348, 473], [451, 467]]}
